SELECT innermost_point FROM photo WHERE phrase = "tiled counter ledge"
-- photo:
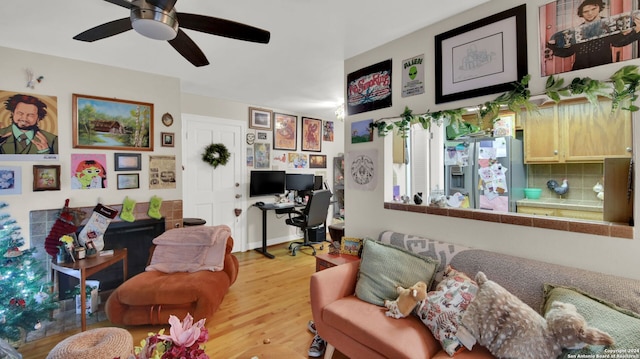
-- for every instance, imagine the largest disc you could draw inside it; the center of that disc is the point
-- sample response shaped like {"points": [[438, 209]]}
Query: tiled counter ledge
{"points": [[576, 205]]}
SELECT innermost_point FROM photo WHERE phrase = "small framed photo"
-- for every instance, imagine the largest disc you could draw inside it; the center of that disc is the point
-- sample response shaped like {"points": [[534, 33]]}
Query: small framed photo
{"points": [[317, 161], [10, 180], [128, 181], [351, 246], [127, 161], [46, 178], [260, 119], [167, 139]]}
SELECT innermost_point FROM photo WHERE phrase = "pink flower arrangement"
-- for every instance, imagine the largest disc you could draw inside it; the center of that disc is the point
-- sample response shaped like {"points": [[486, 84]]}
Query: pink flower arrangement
{"points": [[186, 341]]}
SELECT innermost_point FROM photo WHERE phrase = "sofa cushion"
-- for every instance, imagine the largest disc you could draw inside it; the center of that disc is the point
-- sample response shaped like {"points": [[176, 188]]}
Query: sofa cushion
{"points": [[623, 325], [504, 324], [383, 267], [442, 309], [441, 251]]}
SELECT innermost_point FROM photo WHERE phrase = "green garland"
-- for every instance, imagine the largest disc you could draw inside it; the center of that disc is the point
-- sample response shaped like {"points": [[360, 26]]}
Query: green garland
{"points": [[216, 154]]}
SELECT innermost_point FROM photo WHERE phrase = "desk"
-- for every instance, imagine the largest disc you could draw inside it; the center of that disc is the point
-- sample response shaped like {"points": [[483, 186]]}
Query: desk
{"points": [[83, 268], [265, 208]]}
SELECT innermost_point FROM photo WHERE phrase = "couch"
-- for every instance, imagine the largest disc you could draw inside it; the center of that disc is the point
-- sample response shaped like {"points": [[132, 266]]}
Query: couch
{"points": [[152, 296], [360, 329]]}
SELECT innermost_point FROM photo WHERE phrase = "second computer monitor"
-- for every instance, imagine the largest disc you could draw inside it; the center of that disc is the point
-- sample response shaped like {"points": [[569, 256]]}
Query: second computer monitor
{"points": [[299, 182]]}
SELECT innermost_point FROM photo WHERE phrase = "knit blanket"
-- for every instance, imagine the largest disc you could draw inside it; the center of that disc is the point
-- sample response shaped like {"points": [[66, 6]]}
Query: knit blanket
{"points": [[190, 249]]}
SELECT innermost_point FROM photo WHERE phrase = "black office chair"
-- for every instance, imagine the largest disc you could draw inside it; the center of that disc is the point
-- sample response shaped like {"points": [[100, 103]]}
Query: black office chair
{"points": [[313, 216]]}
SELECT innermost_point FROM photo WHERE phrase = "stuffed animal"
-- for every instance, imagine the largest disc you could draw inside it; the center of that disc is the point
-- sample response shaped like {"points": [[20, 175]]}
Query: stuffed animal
{"points": [[407, 300]]}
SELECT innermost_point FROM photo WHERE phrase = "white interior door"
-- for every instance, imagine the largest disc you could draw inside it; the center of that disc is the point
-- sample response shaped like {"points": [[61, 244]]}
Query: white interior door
{"points": [[210, 193]]}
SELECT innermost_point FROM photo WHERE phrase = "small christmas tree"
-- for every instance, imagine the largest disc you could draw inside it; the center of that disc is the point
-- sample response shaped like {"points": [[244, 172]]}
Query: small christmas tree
{"points": [[24, 297]]}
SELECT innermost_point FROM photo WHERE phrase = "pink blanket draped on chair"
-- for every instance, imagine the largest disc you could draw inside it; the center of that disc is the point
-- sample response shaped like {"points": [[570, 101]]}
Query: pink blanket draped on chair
{"points": [[190, 249]]}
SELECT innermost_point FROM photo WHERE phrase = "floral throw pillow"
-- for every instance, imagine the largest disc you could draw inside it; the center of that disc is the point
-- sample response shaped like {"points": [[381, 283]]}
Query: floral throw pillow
{"points": [[442, 309]]}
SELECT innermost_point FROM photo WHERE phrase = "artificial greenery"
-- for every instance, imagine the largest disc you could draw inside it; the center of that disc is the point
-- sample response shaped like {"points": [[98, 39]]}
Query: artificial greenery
{"points": [[216, 154], [621, 88]]}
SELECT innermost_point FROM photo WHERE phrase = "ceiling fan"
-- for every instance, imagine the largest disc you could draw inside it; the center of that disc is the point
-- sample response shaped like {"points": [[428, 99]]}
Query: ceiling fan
{"points": [[159, 20]]}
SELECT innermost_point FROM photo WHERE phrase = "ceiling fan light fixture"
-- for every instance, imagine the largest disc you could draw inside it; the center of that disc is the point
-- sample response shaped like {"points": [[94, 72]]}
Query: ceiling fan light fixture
{"points": [[157, 25]]}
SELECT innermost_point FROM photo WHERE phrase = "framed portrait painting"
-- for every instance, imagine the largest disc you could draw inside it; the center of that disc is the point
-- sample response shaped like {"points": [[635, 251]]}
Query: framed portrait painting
{"points": [[260, 119], [483, 57], [106, 123], [311, 134], [46, 178], [285, 132]]}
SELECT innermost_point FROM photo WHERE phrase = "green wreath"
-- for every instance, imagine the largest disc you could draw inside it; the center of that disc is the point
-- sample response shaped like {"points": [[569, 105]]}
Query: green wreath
{"points": [[216, 154]]}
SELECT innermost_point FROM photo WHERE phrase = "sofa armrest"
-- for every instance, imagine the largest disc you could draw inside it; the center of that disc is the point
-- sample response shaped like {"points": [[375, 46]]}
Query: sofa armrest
{"points": [[331, 284]]}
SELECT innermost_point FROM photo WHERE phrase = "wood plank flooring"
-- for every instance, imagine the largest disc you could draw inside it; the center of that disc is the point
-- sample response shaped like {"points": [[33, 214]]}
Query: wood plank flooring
{"points": [[268, 302]]}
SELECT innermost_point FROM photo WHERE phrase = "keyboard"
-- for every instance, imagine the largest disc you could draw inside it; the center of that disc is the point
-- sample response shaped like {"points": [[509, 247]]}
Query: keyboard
{"points": [[283, 205]]}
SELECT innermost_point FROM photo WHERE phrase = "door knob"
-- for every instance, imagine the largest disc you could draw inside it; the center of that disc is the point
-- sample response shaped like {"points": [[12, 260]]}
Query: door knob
{"points": [[238, 195]]}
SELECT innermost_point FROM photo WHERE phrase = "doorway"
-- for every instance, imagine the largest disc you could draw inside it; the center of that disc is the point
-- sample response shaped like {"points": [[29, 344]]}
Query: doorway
{"points": [[214, 194]]}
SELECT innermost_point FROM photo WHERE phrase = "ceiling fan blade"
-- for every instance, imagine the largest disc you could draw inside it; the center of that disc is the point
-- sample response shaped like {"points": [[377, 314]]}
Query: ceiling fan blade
{"points": [[165, 5], [123, 3], [188, 49], [222, 27], [105, 30]]}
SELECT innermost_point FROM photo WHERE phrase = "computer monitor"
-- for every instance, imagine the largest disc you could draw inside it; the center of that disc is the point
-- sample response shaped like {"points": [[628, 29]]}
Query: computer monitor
{"points": [[299, 182], [265, 183]]}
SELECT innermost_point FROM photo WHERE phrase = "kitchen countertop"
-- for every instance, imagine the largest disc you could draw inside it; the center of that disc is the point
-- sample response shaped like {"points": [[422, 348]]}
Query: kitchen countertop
{"points": [[572, 204]]}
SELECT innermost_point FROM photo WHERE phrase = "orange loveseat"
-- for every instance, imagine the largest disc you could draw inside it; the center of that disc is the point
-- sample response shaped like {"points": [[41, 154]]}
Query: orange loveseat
{"points": [[152, 296]]}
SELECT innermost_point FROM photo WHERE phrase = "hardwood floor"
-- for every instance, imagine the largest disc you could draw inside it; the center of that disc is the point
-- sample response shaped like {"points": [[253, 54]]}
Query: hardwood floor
{"points": [[268, 302]]}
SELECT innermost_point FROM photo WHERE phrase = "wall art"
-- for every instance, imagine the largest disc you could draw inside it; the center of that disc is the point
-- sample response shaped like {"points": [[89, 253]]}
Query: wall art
{"points": [[317, 161], [483, 57], [285, 132], [162, 172], [106, 123], [10, 180], [328, 131], [127, 161], [88, 171], [311, 134], [128, 181], [369, 88], [361, 131], [260, 118], [167, 139], [46, 178]]}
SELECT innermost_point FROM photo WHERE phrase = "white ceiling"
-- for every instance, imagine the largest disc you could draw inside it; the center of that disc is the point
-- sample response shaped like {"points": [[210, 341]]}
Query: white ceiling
{"points": [[300, 70]]}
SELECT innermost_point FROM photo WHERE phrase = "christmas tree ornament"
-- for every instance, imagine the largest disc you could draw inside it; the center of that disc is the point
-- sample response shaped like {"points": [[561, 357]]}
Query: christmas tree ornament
{"points": [[97, 225]]}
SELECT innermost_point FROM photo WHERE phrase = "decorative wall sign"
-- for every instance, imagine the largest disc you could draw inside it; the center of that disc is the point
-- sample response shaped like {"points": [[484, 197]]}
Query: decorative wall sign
{"points": [[361, 167], [482, 57], [369, 88], [106, 123], [413, 76]]}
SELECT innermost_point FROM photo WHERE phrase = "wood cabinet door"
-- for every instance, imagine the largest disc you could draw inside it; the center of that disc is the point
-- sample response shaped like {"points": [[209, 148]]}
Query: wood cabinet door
{"points": [[593, 133], [541, 135]]}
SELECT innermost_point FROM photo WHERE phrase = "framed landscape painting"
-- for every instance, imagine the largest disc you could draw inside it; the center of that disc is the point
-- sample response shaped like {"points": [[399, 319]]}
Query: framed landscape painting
{"points": [[105, 123]]}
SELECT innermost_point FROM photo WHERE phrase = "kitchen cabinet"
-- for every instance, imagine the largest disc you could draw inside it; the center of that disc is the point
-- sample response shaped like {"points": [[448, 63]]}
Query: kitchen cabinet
{"points": [[576, 131]]}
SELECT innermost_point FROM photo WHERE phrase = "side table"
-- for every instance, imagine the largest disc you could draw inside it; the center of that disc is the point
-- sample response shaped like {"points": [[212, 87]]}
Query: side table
{"points": [[325, 260], [83, 268]]}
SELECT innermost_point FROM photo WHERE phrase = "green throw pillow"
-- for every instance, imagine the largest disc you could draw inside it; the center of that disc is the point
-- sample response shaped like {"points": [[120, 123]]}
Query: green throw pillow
{"points": [[384, 266], [622, 324]]}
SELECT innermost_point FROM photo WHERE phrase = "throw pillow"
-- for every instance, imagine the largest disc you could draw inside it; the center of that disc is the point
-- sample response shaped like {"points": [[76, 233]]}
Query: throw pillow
{"points": [[504, 324], [444, 306], [623, 325], [383, 267]]}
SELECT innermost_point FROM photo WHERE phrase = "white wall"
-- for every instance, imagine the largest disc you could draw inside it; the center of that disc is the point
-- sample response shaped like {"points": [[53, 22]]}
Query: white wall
{"points": [[277, 230], [605, 254], [62, 78]]}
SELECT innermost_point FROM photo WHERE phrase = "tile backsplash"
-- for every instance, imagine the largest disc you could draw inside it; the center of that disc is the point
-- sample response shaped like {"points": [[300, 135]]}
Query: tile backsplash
{"points": [[580, 176]]}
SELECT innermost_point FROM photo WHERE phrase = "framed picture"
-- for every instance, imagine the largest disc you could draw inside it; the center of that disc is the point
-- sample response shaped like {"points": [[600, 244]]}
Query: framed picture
{"points": [[285, 132], [370, 88], [106, 123], [260, 119], [167, 139], [10, 180], [351, 246], [311, 134], [127, 161], [483, 57], [46, 178], [317, 161], [128, 181], [361, 131]]}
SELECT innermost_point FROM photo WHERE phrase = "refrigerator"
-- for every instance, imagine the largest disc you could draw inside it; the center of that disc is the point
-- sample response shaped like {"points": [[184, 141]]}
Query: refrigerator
{"points": [[484, 173]]}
